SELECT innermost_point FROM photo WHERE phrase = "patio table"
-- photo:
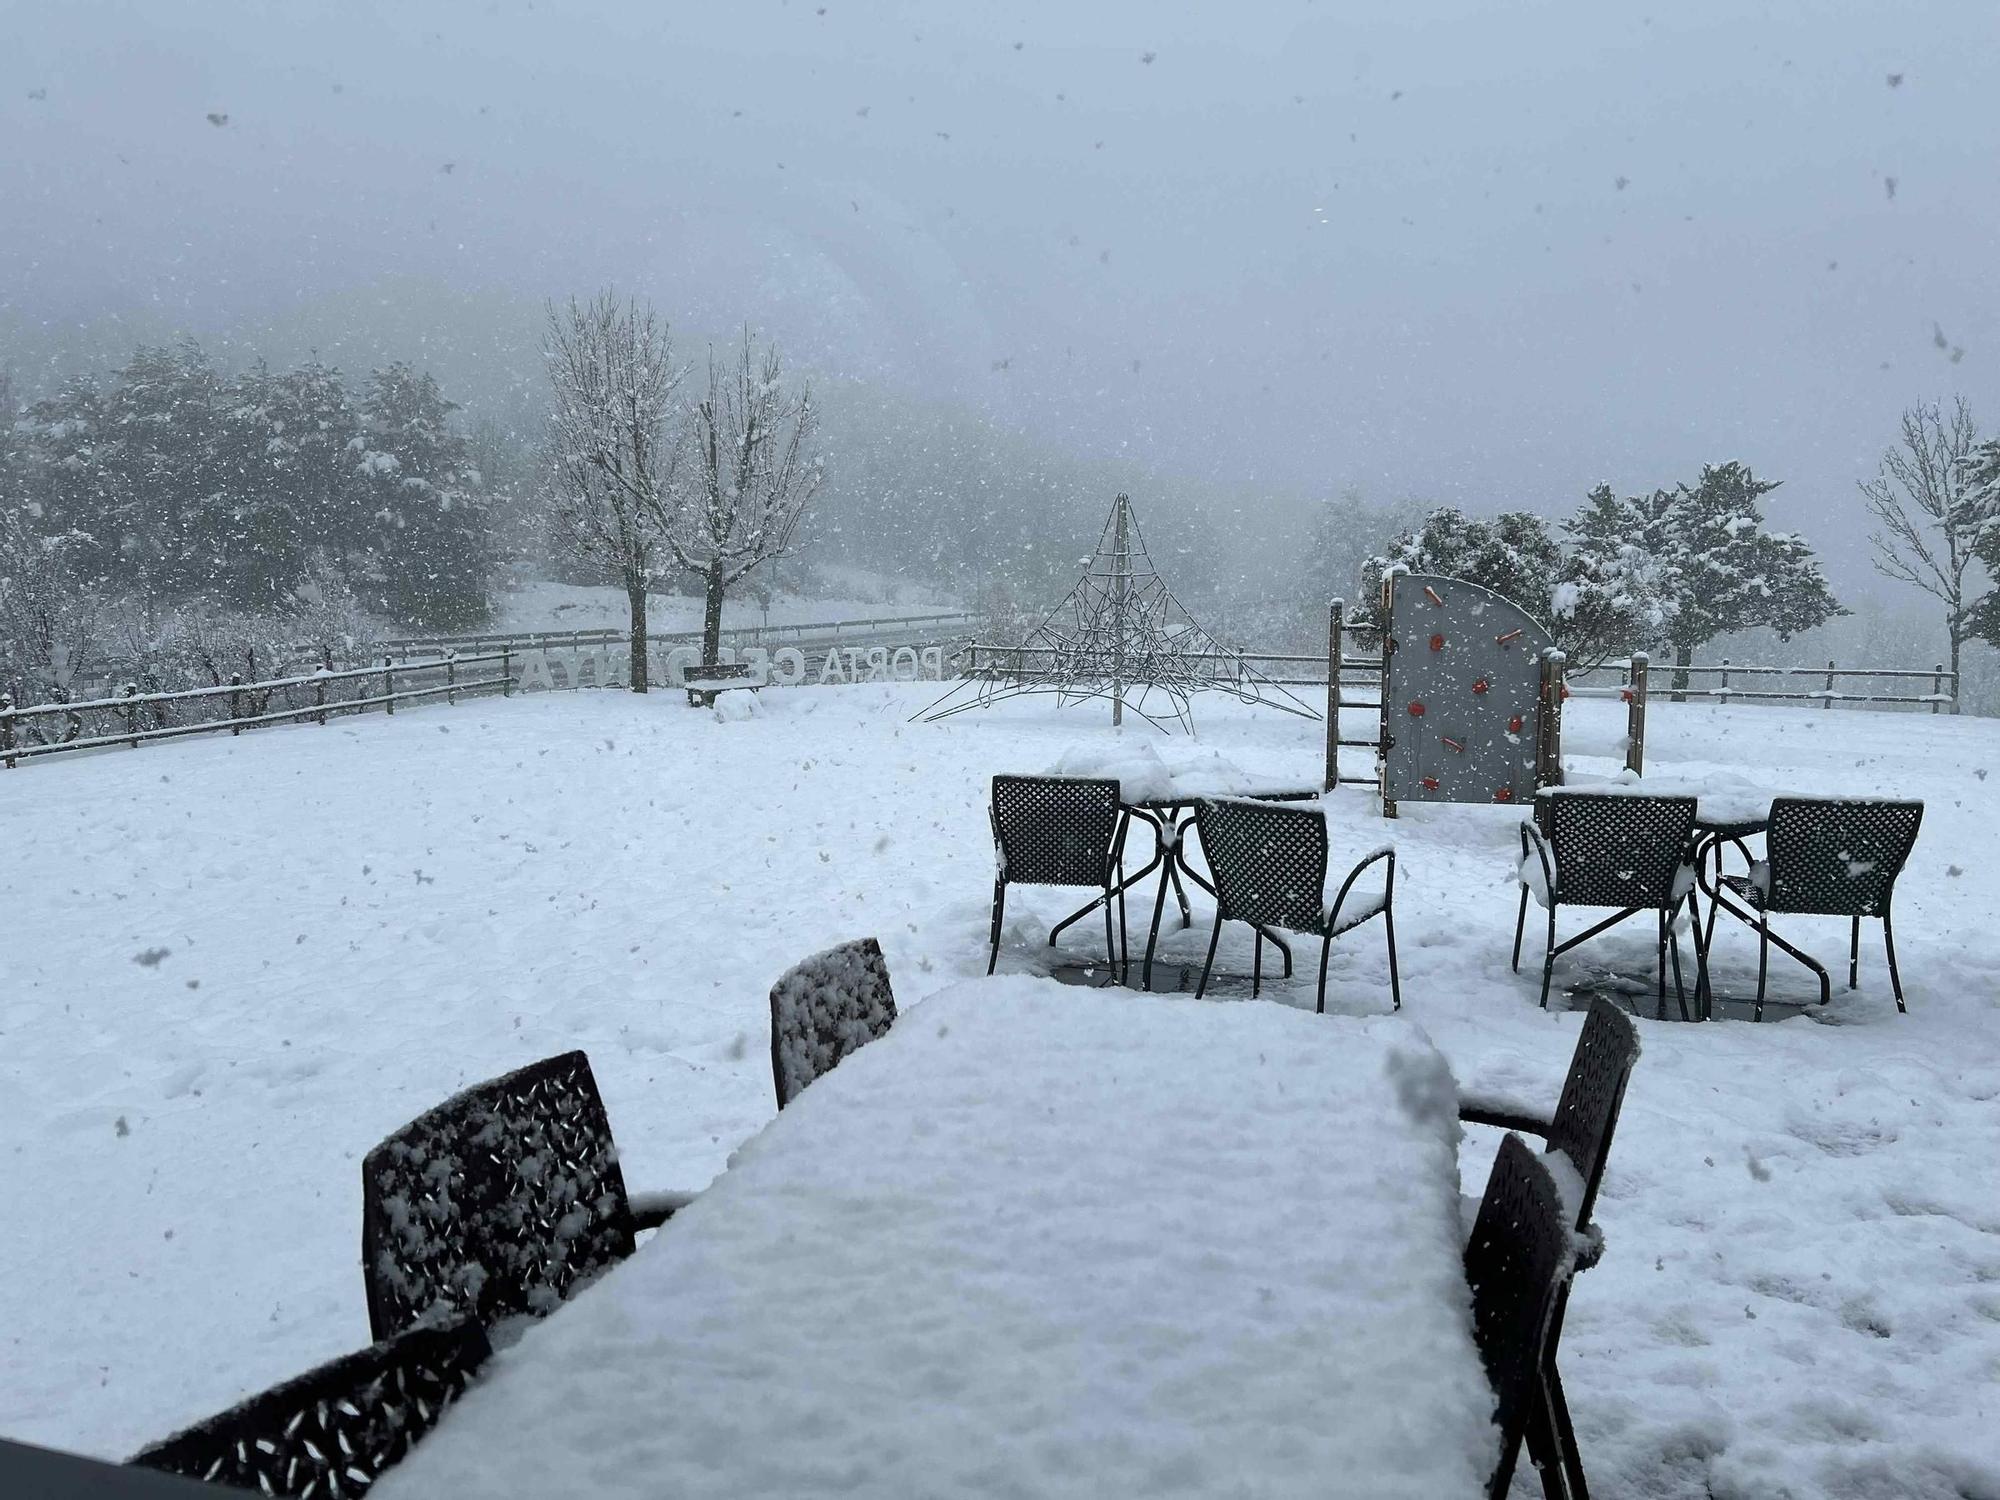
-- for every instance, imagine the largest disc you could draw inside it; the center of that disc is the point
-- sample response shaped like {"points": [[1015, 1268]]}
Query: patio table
{"points": [[1035, 1241]]}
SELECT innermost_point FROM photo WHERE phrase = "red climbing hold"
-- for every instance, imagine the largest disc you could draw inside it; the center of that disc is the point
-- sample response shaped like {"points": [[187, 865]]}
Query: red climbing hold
{"points": [[1565, 695], [1432, 595], [1417, 709], [1509, 638], [1429, 783], [1624, 695], [1505, 794], [1458, 745], [1514, 724], [1479, 684], [1437, 643]]}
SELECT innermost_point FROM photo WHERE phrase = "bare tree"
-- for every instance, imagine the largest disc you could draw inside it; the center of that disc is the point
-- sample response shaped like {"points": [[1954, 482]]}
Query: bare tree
{"points": [[749, 476], [1932, 512], [611, 368]]}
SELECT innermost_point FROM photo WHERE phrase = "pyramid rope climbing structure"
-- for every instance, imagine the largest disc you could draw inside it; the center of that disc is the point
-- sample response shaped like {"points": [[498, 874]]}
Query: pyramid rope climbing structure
{"points": [[1121, 635]]}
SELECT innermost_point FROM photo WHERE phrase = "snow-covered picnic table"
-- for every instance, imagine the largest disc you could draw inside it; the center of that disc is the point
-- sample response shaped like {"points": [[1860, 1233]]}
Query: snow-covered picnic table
{"points": [[1036, 1241]]}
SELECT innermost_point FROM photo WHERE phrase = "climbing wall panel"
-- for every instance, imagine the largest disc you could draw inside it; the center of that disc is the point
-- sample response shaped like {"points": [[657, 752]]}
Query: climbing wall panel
{"points": [[1461, 693]]}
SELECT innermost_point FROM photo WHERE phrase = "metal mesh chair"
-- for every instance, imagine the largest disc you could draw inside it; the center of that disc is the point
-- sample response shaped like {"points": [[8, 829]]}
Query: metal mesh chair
{"points": [[501, 1201], [1612, 849], [1835, 859], [1517, 1263], [1059, 830], [1585, 1119], [824, 1008], [334, 1430], [1269, 865]]}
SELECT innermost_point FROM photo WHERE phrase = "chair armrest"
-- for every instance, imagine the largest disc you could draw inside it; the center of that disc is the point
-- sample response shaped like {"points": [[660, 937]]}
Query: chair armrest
{"points": [[1477, 1111], [1531, 835], [651, 1210], [1388, 887]]}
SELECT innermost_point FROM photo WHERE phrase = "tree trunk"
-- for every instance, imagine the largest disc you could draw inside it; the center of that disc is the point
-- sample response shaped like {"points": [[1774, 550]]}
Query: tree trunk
{"points": [[1956, 685], [635, 596], [711, 621], [1683, 659]]}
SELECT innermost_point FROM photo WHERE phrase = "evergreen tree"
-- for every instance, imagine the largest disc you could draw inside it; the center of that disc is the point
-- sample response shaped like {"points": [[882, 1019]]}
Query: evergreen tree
{"points": [[1713, 564], [422, 521], [1981, 469]]}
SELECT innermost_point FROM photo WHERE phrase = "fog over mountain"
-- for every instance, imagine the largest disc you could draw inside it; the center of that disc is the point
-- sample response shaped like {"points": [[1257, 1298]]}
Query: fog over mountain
{"points": [[1480, 255]]}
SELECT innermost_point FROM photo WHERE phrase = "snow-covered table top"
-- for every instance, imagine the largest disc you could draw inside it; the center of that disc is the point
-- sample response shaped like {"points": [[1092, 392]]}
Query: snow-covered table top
{"points": [[1182, 774], [1722, 798], [1037, 1241]]}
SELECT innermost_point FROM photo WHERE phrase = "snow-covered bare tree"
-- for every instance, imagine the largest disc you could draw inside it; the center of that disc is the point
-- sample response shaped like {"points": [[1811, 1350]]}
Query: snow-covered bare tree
{"points": [[612, 448], [1932, 511], [749, 475]]}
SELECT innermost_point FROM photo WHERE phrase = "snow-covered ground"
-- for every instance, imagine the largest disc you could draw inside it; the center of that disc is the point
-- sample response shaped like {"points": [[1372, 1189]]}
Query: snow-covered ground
{"points": [[848, 594], [232, 965]]}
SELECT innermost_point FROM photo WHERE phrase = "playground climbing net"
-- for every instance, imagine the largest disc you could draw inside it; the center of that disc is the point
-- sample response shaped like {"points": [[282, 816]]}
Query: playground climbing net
{"points": [[1121, 635]]}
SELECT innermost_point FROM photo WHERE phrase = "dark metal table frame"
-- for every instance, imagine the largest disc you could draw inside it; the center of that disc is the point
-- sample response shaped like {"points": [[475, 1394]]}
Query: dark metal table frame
{"points": [[1711, 836], [1172, 820]]}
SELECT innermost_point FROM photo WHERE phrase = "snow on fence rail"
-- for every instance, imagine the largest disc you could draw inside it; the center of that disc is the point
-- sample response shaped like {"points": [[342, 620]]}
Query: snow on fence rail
{"points": [[1830, 692]]}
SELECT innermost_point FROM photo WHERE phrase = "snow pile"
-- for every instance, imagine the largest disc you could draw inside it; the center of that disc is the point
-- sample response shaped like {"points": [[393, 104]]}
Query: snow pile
{"points": [[1036, 1241]]}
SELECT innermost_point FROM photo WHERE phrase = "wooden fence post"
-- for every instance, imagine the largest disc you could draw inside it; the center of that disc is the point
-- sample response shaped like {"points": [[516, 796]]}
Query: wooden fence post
{"points": [[319, 697], [506, 671], [131, 690], [389, 684], [1635, 715], [1937, 688], [7, 728], [1827, 701], [1335, 623], [1723, 691], [235, 703], [451, 677]]}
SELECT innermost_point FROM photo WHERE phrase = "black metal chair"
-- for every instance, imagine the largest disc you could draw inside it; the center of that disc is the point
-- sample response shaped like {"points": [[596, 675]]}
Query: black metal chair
{"points": [[1618, 850], [1833, 859], [1517, 1262], [1059, 830], [1585, 1119], [334, 1430], [499, 1202], [1269, 865], [824, 1008]]}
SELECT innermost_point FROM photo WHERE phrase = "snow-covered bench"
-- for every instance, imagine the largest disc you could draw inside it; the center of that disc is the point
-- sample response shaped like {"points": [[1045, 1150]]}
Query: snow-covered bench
{"points": [[711, 678]]}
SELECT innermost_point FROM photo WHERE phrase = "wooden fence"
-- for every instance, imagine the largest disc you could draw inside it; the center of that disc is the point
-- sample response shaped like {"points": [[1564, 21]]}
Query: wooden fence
{"points": [[1726, 684]]}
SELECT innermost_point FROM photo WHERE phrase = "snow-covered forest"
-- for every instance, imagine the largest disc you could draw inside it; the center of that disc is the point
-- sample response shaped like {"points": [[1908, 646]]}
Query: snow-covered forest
{"points": [[809, 748]]}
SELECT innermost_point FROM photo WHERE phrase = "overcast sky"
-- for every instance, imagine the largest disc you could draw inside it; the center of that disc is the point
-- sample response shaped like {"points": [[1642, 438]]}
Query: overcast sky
{"points": [[1476, 253]]}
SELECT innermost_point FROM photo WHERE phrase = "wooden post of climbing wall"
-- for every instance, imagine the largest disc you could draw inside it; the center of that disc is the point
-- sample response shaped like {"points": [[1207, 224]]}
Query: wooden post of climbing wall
{"points": [[1387, 620], [1635, 715], [1335, 623], [1548, 743]]}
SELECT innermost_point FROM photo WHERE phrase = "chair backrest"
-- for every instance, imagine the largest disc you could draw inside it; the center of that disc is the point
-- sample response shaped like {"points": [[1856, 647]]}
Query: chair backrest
{"points": [[498, 1202], [1838, 858], [1269, 862], [1587, 1113], [824, 1008], [1055, 830], [1516, 1262], [335, 1429], [1614, 849]]}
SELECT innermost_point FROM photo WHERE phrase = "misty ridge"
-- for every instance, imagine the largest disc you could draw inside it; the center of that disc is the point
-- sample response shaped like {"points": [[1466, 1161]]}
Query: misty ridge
{"points": [[1322, 292]]}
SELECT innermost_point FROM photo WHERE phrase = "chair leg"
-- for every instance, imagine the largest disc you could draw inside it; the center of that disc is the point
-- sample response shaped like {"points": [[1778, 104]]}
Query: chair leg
{"points": [[1124, 950], [1209, 962], [1660, 968], [1895, 979], [999, 908], [1395, 984], [1575, 1487], [1763, 962], [1257, 963], [1680, 989], [1325, 952], [1520, 925], [1544, 1448], [1549, 959], [1854, 954], [1704, 993], [1110, 937]]}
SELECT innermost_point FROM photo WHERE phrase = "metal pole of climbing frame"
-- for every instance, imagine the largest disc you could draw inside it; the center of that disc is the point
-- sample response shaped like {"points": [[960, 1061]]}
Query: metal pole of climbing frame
{"points": [[1120, 572]]}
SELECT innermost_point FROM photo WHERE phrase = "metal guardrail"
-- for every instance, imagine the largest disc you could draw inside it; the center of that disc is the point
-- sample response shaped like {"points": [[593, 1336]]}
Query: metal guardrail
{"points": [[736, 635]]}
